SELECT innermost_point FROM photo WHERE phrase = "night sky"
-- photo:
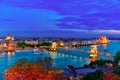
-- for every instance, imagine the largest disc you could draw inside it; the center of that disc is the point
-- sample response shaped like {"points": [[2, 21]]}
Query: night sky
{"points": [[60, 18]]}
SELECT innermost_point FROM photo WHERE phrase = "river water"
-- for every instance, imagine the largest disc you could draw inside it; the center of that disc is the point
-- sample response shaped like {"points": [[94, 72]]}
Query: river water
{"points": [[61, 59]]}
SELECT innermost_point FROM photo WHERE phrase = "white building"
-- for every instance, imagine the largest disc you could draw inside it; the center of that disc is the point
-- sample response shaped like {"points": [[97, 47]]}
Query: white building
{"points": [[35, 42]]}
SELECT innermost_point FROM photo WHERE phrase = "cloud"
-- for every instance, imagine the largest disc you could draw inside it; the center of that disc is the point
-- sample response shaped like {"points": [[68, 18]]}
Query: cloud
{"points": [[107, 31], [88, 23], [66, 7], [95, 31], [7, 20], [96, 16], [26, 19]]}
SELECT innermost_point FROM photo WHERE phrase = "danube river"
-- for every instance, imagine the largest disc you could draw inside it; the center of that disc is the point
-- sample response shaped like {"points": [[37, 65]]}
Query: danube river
{"points": [[61, 59]]}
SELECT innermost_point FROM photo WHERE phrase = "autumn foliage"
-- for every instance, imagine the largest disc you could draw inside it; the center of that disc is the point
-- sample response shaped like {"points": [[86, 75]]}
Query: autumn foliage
{"points": [[110, 76], [26, 70]]}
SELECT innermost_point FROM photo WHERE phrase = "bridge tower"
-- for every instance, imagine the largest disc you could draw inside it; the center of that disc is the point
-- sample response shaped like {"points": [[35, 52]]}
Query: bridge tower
{"points": [[93, 51]]}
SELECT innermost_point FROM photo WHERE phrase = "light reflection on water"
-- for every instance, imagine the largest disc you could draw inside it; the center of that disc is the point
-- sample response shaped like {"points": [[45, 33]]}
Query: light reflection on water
{"points": [[61, 59]]}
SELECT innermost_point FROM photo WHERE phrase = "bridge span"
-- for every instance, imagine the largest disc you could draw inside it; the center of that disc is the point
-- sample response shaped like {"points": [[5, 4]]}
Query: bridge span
{"points": [[88, 52]]}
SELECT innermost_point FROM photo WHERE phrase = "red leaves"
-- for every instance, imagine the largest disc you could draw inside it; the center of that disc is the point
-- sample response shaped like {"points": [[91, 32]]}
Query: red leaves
{"points": [[110, 76], [30, 72]]}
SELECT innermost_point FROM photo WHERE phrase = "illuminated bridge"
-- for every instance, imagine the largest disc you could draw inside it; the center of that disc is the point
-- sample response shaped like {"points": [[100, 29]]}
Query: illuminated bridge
{"points": [[75, 50]]}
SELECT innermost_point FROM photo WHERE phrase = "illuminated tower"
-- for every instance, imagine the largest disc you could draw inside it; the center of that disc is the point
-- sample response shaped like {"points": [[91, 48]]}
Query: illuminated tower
{"points": [[54, 46], [12, 38], [93, 51]]}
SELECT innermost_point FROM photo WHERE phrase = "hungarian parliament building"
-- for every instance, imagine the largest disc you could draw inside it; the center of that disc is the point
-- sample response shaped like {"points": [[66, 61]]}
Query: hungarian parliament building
{"points": [[8, 43]]}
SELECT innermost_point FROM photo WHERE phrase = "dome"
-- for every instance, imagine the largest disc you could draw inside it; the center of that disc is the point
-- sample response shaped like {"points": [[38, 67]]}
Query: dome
{"points": [[8, 37]]}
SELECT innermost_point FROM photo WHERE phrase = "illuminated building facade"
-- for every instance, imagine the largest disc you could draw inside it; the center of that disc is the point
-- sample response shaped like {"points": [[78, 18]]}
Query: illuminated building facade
{"points": [[35, 42], [1, 44], [74, 43], [9, 38], [61, 44], [102, 39], [9, 43]]}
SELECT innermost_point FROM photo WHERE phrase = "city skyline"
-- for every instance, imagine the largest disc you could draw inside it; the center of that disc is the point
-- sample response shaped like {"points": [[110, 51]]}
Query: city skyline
{"points": [[60, 17]]}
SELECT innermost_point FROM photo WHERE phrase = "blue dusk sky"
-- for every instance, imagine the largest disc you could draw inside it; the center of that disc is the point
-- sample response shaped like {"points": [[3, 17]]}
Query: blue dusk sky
{"points": [[60, 18]]}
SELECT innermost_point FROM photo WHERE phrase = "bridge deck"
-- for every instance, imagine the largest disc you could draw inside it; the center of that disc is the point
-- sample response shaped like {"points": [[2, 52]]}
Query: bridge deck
{"points": [[99, 53]]}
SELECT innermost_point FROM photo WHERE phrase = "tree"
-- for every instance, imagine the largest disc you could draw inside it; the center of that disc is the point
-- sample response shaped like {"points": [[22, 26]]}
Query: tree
{"points": [[94, 75], [27, 70], [117, 57], [38, 45], [21, 62], [21, 45], [100, 62], [110, 76], [117, 70], [48, 62], [46, 44]]}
